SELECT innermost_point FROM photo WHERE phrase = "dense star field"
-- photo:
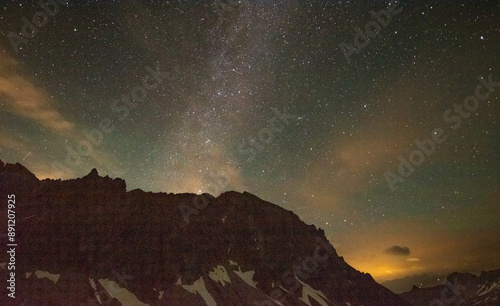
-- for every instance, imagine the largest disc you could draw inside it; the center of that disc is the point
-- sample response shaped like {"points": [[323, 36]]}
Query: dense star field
{"points": [[376, 121]]}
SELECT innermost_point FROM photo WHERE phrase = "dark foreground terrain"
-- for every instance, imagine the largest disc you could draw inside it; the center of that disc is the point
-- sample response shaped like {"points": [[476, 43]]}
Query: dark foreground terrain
{"points": [[90, 241]]}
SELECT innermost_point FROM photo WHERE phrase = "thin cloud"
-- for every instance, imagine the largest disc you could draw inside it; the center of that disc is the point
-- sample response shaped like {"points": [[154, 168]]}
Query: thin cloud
{"points": [[25, 99], [414, 259], [22, 98], [398, 250]]}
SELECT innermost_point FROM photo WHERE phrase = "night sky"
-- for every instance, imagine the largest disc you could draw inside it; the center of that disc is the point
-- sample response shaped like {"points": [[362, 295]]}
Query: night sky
{"points": [[288, 100]]}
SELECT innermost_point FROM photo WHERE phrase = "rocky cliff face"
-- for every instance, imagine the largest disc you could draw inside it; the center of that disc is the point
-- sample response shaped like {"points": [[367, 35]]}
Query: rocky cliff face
{"points": [[88, 241], [460, 289]]}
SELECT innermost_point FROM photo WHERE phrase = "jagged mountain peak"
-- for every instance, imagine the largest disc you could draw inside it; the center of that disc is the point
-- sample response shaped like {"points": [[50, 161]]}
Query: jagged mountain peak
{"points": [[459, 289], [79, 235], [92, 174], [16, 168]]}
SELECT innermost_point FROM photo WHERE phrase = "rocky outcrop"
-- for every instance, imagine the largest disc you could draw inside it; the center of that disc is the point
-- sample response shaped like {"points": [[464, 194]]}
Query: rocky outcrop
{"points": [[460, 289], [89, 241]]}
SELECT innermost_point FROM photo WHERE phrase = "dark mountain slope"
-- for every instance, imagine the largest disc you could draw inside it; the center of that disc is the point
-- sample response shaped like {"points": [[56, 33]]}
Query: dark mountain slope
{"points": [[87, 240]]}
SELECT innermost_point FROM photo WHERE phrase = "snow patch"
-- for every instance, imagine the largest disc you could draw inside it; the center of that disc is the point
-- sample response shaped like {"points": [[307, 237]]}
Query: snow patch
{"points": [[219, 275], [125, 297], [247, 276], [489, 289], [98, 297], [275, 301], [199, 287], [160, 296], [480, 289], [27, 274], [92, 284], [308, 291], [45, 274]]}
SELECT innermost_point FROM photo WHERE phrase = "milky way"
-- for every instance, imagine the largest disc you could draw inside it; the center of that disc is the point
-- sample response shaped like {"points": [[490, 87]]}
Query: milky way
{"points": [[309, 105]]}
